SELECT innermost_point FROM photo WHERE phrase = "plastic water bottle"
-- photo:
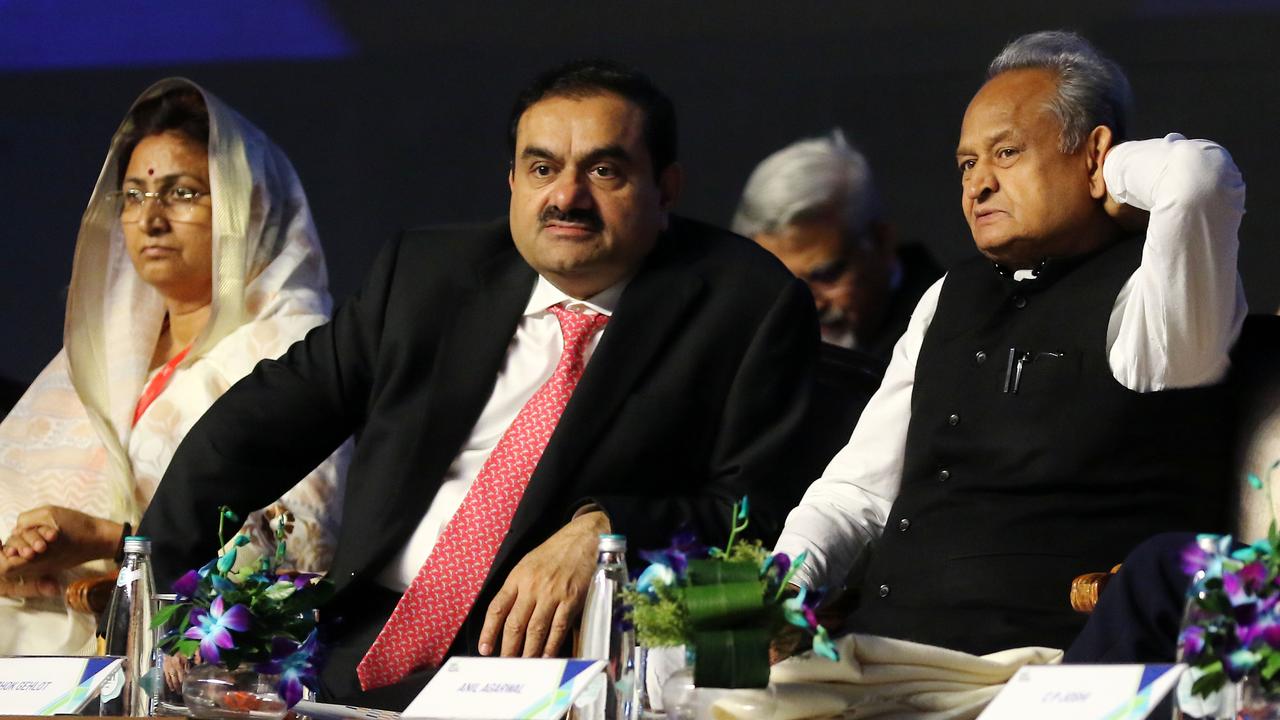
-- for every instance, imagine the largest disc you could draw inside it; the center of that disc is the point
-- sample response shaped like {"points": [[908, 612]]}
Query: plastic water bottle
{"points": [[602, 634], [129, 632]]}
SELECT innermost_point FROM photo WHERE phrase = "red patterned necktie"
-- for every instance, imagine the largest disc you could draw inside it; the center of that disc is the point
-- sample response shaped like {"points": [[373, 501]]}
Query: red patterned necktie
{"points": [[433, 608]]}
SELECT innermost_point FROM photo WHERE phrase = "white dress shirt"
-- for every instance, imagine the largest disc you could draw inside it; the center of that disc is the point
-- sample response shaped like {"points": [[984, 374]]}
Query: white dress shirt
{"points": [[532, 357], [1171, 326]]}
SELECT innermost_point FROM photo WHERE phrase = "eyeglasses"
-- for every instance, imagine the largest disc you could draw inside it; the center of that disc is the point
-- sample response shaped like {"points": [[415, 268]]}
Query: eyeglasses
{"points": [[178, 203]]}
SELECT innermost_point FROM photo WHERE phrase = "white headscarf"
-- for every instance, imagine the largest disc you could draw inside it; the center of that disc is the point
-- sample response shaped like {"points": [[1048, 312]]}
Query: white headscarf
{"points": [[71, 441]]}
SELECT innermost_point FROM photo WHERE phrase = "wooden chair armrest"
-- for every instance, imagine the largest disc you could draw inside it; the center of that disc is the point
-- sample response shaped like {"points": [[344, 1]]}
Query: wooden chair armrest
{"points": [[92, 594], [1086, 588]]}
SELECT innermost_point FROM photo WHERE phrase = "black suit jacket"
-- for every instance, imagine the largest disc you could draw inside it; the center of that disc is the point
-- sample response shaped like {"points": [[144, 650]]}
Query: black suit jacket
{"points": [[692, 398]]}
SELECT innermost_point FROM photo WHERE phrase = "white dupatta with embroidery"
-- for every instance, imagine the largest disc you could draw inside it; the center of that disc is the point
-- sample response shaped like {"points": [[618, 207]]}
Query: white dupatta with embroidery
{"points": [[70, 440]]}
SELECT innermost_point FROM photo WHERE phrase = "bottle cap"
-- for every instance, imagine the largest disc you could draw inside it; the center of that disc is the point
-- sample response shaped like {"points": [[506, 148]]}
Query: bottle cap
{"points": [[137, 544], [613, 543]]}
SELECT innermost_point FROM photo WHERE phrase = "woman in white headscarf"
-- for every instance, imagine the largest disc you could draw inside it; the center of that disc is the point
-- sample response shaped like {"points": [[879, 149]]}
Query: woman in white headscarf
{"points": [[196, 258]]}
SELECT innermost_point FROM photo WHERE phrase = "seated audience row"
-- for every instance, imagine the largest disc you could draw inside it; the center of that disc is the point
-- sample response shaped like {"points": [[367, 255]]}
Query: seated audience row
{"points": [[595, 363]]}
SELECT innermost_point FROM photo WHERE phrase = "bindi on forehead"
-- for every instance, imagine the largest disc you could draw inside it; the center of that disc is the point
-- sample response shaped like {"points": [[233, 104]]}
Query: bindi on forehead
{"points": [[151, 171]]}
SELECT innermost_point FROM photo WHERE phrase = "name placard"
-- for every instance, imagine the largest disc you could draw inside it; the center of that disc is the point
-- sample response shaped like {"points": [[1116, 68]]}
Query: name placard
{"points": [[52, 685], [475, 688], [1083, 692]]}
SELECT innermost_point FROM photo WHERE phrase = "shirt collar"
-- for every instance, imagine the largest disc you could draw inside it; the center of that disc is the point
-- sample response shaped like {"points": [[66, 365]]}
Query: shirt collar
{"points": [[546, 295]]}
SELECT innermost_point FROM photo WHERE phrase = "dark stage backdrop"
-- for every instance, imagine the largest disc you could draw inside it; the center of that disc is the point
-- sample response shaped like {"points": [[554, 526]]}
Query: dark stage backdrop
{"points": [[394, 113]]}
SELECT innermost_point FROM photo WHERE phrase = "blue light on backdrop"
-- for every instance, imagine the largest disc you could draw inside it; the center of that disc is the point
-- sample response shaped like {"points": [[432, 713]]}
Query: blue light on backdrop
{"points": [[67, 34]]}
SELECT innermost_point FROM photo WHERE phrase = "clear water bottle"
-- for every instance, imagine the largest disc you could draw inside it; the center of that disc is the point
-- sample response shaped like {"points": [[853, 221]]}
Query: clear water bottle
{"points": [[129, 632], [602, 635]]}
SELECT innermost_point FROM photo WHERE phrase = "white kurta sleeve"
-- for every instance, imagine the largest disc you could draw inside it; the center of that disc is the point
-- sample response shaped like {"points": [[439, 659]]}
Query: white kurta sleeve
{"points": [[1178, 315], [845, 509]]}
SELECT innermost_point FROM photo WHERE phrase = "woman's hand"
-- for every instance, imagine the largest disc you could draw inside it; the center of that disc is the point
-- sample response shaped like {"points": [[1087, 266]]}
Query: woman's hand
{"points": [[23, 587], [52, 538], [14, 584]]}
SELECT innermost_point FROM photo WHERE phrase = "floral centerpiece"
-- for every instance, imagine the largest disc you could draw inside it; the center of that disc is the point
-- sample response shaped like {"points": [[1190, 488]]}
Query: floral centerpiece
{"points": [[725, 603], [250, 614], [1231, 628]]}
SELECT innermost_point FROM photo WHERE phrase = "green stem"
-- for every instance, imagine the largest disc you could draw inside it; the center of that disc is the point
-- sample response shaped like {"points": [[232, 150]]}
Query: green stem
{"points": [[734, 527], [222, 516]]}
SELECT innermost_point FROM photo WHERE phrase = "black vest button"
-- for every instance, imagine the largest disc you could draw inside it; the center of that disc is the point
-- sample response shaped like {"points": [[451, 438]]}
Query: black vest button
{"points": [[980, 357], [944, 475], [1019, 301], [954, 420], [903, 524], [884, 591]]}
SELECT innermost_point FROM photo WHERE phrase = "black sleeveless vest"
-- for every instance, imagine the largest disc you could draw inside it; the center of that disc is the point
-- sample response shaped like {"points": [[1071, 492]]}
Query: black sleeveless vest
{"points": [[1027, 463]]}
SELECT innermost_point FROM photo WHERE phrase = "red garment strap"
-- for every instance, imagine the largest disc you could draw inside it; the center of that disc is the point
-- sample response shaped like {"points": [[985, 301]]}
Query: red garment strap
{"points": [[158, 384]]}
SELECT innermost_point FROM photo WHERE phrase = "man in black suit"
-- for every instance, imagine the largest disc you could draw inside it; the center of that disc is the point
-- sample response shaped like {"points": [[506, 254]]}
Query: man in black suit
{"points": [[691, 393]]}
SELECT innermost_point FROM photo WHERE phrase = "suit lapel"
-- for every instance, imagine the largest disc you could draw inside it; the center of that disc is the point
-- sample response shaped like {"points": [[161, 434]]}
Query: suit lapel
{"points": [[471, 352], [655, 304]]}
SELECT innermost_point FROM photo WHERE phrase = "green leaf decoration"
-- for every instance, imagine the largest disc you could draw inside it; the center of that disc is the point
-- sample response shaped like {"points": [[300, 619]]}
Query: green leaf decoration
{"points": [[1271, 666], [711, 606], [732, 658], [165, 614], [1209, 683], [280, 590], [711, 572]]}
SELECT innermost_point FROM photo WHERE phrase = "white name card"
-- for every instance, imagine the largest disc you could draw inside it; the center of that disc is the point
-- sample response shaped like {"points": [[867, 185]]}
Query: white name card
{"points": [[476, 688], [52, 685], [1083, 692]]}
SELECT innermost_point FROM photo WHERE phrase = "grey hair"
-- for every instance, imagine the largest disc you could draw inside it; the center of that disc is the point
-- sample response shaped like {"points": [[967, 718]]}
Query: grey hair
{"points": [[1092, 89], [807, 178]]}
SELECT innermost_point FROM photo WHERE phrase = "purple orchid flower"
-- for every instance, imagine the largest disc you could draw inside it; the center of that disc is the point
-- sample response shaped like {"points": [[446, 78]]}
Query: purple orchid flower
{"points": [[799, 613], [187, 585], [1192, 641], [684, 547], [1208, 558], [1265, 631], [1258, 624], [1239, 589], [296, 664], [300, 580], [779, 563], [1254, 576], [212, 628], [1245, 614]]}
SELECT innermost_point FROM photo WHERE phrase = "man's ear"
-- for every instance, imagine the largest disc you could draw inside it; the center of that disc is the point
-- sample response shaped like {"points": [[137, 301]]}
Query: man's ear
{"points": [[511, 178], [1096, 147], [670, 183]]}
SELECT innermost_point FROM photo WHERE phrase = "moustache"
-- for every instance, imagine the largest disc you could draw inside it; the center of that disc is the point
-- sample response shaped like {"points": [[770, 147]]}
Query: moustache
{"points": [[586, 217]]}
